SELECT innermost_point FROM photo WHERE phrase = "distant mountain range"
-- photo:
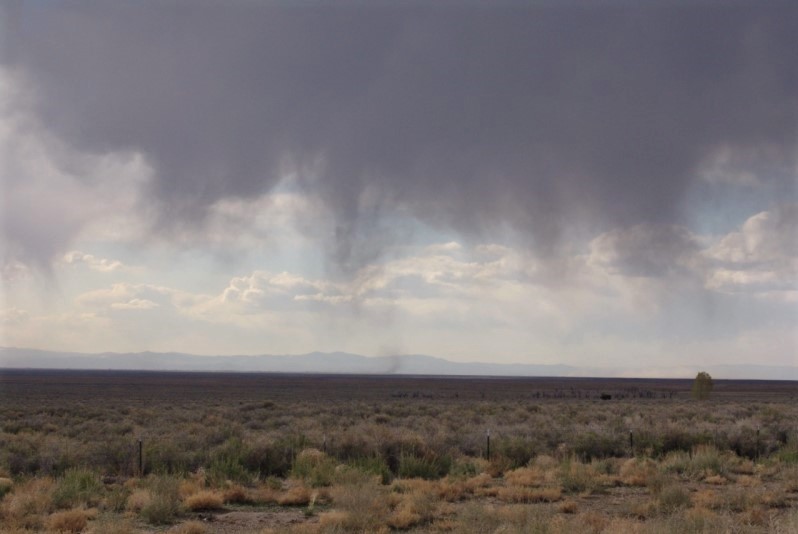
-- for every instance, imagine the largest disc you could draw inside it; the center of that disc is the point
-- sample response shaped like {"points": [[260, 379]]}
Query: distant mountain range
{"points": [[344, 363]]}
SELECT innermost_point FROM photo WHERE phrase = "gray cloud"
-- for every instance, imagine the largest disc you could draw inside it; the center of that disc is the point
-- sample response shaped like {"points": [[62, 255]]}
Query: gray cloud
{"points": [[467, 118]]}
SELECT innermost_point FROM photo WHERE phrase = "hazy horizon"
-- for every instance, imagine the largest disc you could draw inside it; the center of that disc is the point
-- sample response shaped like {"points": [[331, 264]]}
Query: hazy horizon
{"points": [[610, 186]]}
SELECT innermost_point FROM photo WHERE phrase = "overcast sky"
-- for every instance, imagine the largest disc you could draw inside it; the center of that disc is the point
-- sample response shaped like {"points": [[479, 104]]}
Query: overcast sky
{"points": [[535, 182]]}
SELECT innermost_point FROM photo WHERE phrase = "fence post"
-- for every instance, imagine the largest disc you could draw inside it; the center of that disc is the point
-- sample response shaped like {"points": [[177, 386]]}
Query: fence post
{"points": [[141, 459], [487, 436]]}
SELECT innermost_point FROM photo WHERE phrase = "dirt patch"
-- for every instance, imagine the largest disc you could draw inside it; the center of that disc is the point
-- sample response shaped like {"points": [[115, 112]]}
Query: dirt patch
{"points": [[240, 522]]}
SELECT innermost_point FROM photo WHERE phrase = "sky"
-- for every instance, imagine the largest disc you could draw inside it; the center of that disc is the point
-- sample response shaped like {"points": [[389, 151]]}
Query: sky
{"points": [[594, 184]]}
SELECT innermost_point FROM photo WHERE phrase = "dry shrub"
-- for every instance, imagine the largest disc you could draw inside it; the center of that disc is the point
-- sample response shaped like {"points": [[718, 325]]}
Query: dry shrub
{"points": [[190, 527], [334, 519], [237, 494], [74, 520], [637, 472], [640, 509], [527, 495], [295, 496], [452, 490], [743, 467], [403, 519], [748, 481], [264, 495], [673, 497], [773, 499], [367, 505], [705, 499], [28, 503], [567, 507], [756, 517], [204, 500], [482, 480], [138, 500], [414, 503], [594, 521], [188, 488], [524, 476]]}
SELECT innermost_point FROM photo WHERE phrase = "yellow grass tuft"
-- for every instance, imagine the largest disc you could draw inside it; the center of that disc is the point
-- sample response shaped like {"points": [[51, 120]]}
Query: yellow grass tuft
{"points": [[527, 495], [237, 494], [403, 519], [204, 500], [188, 488], [635, 472], [138, 500], [296, 496], [74, 520], [567, 507], [28, 502], [748, 481], [333, 519], [524, 476]]}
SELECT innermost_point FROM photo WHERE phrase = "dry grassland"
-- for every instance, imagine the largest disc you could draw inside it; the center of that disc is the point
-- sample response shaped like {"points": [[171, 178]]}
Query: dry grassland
{"points": [[304, 454]]}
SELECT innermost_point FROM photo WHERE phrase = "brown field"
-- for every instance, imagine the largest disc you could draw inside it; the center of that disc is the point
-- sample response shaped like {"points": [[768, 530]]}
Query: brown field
{"points": [[299, 453]]}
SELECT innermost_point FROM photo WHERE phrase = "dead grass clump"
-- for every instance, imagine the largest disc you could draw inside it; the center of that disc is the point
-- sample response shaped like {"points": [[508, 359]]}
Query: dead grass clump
{"points": [[367, 505], [513, 494], [748, 481], [138, 500], [524, 476], [28, 503], [594, 522], [414, 503], [333, 520], [637, 472], [567, 507], [188, 488], [295, 496], [204, 500], [641, 510], [189, 527], [706, 499], [74, 520], [452, 490], [237, 494], [483, 480]]}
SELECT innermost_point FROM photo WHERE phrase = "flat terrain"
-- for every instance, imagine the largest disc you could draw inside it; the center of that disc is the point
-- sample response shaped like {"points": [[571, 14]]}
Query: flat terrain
{"points": [[227, 452]]}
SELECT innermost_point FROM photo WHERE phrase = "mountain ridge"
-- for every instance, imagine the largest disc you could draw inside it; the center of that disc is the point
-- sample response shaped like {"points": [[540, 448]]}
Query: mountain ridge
{"points": [[347, 363]]}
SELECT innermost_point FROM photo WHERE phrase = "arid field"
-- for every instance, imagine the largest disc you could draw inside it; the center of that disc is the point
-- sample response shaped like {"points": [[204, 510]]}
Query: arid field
{"points": [[231, 453]]}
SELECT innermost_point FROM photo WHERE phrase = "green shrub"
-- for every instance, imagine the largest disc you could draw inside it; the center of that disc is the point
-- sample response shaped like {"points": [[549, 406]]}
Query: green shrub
{"points": [[77, 487], [428, 467], [673, 497], [517, 450], [165, 504], [577, 477], [592, 445], [314, 467], [373, 465]]}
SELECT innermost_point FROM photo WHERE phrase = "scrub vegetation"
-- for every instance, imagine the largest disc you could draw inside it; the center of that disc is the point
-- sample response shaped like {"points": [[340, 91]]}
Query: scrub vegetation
{"points": [[292, 453]]}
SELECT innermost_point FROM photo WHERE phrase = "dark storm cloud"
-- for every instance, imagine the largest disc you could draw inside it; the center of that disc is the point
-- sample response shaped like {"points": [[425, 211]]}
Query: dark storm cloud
{"points": [[465, 117]]}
